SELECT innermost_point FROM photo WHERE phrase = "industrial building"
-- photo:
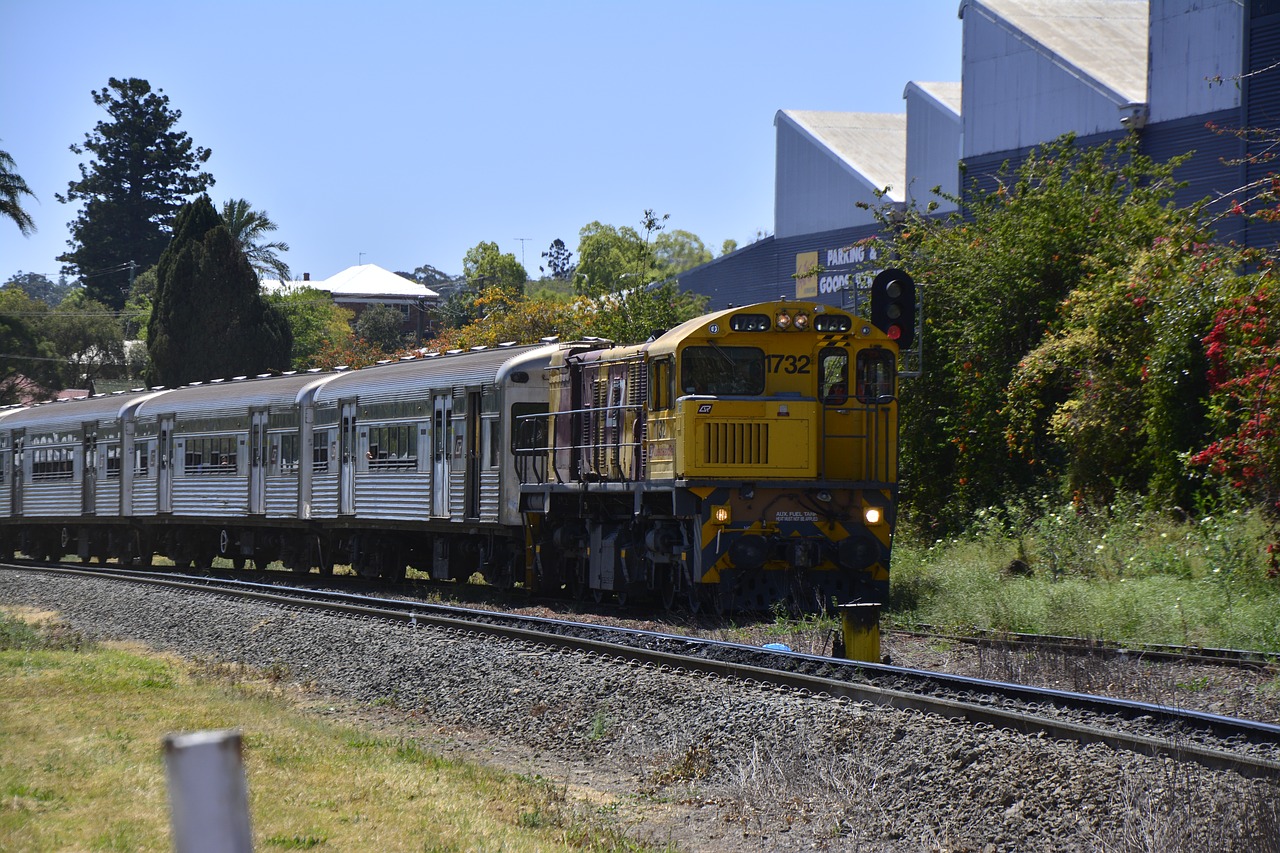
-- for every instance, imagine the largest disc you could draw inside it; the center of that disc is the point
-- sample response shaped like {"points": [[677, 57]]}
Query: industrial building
{"points": [[1168, 71]]}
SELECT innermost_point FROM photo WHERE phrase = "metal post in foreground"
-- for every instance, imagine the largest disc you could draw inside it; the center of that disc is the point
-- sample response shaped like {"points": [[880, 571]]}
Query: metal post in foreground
{"points": [[861, 624], [208, 795]]}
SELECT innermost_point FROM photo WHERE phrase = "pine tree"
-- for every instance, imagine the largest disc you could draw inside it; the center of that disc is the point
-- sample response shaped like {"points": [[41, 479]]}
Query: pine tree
{"points": [[143, 173], [210, 321]]}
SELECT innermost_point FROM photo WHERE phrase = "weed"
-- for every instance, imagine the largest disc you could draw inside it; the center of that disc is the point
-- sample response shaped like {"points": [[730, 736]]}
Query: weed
{"points": [[295, 842], [1122, 573], [46, 635], [693, 764], [599, 726]]}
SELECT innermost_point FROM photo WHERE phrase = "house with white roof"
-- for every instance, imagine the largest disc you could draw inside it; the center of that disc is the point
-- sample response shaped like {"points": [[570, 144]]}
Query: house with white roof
{"points": [[358, 287]]}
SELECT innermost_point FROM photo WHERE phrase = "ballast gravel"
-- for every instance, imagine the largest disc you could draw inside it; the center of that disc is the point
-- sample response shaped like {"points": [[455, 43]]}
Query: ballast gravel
{"points": [[702, 763]]}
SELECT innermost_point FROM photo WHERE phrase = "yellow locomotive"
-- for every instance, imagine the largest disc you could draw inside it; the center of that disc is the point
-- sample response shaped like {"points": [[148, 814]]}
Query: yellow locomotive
{"points": [[745, 458]]}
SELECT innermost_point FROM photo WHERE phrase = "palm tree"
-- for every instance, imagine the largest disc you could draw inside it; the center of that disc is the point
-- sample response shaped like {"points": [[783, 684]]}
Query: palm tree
{"points": [[247, 227], [12, 189]]}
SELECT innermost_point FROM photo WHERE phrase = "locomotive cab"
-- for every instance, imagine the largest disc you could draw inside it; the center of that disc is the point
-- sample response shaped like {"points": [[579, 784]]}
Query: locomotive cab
{"points": [[743, 458]]}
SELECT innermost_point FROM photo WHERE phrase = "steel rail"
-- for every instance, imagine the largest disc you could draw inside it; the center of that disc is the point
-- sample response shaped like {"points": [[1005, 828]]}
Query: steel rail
{"points": [[1102, 648], [496, 624]]}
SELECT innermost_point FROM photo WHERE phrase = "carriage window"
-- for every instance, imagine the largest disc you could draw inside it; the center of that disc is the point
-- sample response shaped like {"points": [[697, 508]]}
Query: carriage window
{"points": [[393, 447], [722, 370], [492, 443], [833, 376], [320, 450], [528, 428], [284, 452], [142, 459], [660, 395], [211, 455], [877, 370], [52, 463], [113, 461]]}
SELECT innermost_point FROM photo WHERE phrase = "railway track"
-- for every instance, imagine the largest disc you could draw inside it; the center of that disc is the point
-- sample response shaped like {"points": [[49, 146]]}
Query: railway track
{"points": [[1247, 747], [1105, 649]]}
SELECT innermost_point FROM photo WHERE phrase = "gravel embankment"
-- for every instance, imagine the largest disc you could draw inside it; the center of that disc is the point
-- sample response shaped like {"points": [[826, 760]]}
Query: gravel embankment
{"points": [[729, 766]]}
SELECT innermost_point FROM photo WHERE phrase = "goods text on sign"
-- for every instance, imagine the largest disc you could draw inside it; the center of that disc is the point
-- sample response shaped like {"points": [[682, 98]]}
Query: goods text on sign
{"points": [[834, 270]]}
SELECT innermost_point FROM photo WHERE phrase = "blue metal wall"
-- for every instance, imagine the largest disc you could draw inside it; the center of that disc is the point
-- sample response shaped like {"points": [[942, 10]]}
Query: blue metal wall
{"points": [[1262, 105], [766, 269]]}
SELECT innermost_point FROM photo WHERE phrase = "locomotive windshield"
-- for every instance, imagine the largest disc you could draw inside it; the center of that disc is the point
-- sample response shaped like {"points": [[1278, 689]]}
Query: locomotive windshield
{"points": [[718, 370]]}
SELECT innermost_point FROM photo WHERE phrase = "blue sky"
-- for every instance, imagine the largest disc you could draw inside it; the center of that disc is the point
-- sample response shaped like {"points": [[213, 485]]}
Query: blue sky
{"points": [[405, 133]]}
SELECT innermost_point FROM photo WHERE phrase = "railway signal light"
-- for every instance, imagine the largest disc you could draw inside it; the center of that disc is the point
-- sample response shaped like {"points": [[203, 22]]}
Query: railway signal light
{"points": [[893, 306]]}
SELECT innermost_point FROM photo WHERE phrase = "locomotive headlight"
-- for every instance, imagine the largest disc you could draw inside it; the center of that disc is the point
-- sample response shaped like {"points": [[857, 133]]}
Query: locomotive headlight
{"points": [[784, 320], [872, 514], [802, 321], [721, 514]]}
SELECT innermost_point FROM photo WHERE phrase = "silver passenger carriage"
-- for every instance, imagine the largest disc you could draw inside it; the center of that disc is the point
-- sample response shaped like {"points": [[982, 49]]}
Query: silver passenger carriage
{"points": [[69, 471]]}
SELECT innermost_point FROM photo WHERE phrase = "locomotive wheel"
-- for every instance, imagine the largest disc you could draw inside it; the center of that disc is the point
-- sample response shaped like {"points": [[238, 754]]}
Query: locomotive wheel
{"points": [[668, 594], [693, 599]]}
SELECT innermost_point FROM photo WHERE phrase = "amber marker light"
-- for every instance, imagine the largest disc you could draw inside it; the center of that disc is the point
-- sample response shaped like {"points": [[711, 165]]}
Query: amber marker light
{"points": [[721, 514]]}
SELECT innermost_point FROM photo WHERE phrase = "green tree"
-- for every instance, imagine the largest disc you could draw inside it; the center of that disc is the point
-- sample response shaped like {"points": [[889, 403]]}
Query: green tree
{"points": [[30, 369], [560, 264], [12, 189], [728, 246], [430, 277], [142, 173], [40, 287], [1114, 398], [485, 270], [89, 340], [249, 228], [612, 259], [524, 320], [619, 271], [315, 322], [210, 320], [382, 326], [677, 251], [996, 280], [486, 266]]}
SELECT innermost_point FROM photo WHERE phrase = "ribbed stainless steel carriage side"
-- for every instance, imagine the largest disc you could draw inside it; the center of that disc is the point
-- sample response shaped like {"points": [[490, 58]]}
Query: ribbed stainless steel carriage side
{"points": [[451, 404]]}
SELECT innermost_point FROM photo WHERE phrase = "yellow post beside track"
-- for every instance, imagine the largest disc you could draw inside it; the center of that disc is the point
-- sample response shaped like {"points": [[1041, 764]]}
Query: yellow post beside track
{"points": [[861, 625]]}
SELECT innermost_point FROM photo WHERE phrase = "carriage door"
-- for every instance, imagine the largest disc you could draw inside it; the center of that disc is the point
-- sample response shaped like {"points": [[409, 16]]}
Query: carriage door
{"points": [[18, 474], [347, 446], [89, 482], [441, 441], [257, 463], [164, 476], [473, 454]]}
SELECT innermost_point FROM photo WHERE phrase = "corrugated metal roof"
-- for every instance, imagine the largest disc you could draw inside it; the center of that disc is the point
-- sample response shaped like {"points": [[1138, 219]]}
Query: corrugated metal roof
{"points": [[412, 379], [1103, 41], [277, 393], [368, 281], [945, 95], [872, 145]]}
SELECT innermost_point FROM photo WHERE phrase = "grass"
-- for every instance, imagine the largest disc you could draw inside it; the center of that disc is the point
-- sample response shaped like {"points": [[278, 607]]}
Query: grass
{"points": [[1124, 574], [81, 768]]}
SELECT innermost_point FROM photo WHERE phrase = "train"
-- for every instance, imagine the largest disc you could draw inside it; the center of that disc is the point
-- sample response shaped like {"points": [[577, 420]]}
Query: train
{"points": [[745, 459]]}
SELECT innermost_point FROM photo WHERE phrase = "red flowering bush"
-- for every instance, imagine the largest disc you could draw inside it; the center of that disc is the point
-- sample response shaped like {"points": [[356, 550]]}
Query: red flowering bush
{"points": [[1243, 350]]}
